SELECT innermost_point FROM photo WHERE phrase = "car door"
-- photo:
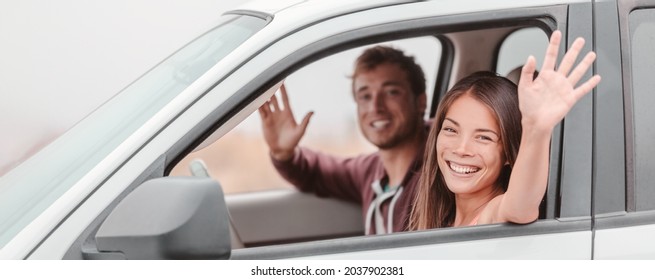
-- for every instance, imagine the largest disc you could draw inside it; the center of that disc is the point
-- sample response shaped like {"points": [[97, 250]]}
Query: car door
{"points": [[567, 221], [564, 232], [624, 186]]}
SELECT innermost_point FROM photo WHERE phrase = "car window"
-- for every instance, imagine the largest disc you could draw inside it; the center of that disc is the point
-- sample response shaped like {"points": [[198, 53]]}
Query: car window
{"points": [[23, 195], [518, 46], [642, 28], [323, 87], [239, 159]]}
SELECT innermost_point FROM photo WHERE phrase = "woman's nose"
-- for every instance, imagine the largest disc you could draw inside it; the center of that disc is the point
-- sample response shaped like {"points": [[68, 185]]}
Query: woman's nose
{"points": [[462, 147]]}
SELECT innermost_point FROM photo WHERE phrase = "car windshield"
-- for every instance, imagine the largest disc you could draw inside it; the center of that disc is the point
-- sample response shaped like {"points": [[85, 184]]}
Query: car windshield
{"points": [[29, 189]]}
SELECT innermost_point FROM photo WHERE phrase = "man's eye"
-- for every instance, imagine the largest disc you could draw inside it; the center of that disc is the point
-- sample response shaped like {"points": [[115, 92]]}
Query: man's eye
{"points": [[393, 92], [364, 97]]}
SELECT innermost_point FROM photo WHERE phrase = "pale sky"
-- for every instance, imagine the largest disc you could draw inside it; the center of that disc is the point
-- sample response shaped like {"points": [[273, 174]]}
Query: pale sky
{"points": [[61, 59]]}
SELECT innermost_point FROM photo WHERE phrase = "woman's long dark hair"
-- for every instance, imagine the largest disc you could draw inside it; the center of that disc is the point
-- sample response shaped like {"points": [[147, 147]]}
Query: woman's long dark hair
{"points": [[434, 205]]}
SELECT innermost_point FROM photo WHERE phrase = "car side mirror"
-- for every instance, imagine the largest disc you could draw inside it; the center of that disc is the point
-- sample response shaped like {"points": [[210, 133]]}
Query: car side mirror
{"points": [[168, 218]]}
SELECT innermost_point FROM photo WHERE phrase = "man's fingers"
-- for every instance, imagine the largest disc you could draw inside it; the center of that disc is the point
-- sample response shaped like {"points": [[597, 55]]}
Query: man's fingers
{"points": [[273, 101], [570, 57], [263, 113], [283, 89], [285, 101], [265, 109], [582, 68], [305, 122], [551, 52], [285, 97]]}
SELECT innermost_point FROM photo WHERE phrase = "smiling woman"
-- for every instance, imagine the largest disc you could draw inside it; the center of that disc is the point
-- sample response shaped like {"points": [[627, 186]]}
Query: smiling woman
{"points": [[491, 166], [476, 140]]}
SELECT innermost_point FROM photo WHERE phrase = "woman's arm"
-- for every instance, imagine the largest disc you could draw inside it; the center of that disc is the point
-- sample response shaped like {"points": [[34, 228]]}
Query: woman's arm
{"points": [[543, 103]]}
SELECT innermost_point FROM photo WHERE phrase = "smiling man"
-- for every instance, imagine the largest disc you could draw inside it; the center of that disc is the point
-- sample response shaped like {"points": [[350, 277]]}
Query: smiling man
{"points": [[389, 89]]}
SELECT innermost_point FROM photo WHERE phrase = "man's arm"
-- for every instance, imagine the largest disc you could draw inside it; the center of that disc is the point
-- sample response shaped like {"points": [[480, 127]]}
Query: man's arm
{"points": [[281, 131], [305, 169], [327, 175]]}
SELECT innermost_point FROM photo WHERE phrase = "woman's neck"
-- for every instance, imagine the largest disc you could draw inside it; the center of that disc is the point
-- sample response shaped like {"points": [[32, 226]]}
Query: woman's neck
{"points": [[469, 206]]}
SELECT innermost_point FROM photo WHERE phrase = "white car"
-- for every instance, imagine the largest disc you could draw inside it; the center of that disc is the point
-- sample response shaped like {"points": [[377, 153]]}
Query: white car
{"points": [[102, 190]]}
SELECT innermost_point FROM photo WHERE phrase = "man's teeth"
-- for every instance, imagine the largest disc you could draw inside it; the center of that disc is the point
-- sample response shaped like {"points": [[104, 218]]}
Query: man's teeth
{"points": [[463, 169], [379, 124]]}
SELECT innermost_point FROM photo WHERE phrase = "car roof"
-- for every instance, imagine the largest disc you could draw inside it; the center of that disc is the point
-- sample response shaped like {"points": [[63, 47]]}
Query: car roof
{"points": [[311, 7]]}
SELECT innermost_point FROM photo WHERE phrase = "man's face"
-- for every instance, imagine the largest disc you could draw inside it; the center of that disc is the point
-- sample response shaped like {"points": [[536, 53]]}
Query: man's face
{"points": [[389, 113]]}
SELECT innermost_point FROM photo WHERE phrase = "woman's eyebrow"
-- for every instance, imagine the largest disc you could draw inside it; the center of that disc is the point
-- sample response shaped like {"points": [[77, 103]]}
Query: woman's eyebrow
{"points": [[452, 121], [487, 130], [477, 130]]}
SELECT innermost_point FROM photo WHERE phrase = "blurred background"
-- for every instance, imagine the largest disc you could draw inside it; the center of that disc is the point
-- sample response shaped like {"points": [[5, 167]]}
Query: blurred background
{"points": [[59, 60]]}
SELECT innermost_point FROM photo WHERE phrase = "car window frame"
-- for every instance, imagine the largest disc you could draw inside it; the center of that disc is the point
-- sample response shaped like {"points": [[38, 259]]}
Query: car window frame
{"points": [[621, 230], [621, 195], [383, 33]]}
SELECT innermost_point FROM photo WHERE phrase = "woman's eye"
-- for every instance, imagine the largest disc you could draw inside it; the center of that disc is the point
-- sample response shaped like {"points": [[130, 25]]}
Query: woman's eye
{"points": [[449, 130], [485, 138]]}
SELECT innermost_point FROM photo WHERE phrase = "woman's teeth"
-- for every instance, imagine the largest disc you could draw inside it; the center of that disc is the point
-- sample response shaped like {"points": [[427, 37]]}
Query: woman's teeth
{"points": [[463, 169]]}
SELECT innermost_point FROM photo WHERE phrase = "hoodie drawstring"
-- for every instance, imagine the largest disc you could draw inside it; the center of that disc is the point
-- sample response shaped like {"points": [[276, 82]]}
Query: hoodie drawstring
{"points": [[374, 208]]}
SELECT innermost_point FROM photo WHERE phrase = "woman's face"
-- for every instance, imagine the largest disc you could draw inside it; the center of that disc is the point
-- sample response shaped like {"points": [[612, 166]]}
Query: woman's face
{"points": [[469, 149]]}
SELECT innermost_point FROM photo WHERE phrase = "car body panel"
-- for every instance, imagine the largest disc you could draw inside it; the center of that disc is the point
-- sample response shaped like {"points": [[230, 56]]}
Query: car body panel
{"points": [[635, 242], [572, 246], [586, 210]]}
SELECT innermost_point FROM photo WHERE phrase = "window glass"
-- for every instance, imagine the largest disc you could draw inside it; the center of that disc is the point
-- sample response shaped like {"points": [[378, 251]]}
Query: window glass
{"points": [[24, 196], [518, 46], [323, 87], [642, 30]]}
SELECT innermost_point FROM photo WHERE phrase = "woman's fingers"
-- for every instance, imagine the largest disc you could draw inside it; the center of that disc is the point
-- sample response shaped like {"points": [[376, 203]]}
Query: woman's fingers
{"points": [[586, 87], [582, 68], [550, 59], [571, 55], [527, 72], [568, 62]]}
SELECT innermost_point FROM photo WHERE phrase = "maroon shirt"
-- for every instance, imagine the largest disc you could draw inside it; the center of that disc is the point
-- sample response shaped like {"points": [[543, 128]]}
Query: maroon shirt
{"points": [[352, 179]]}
